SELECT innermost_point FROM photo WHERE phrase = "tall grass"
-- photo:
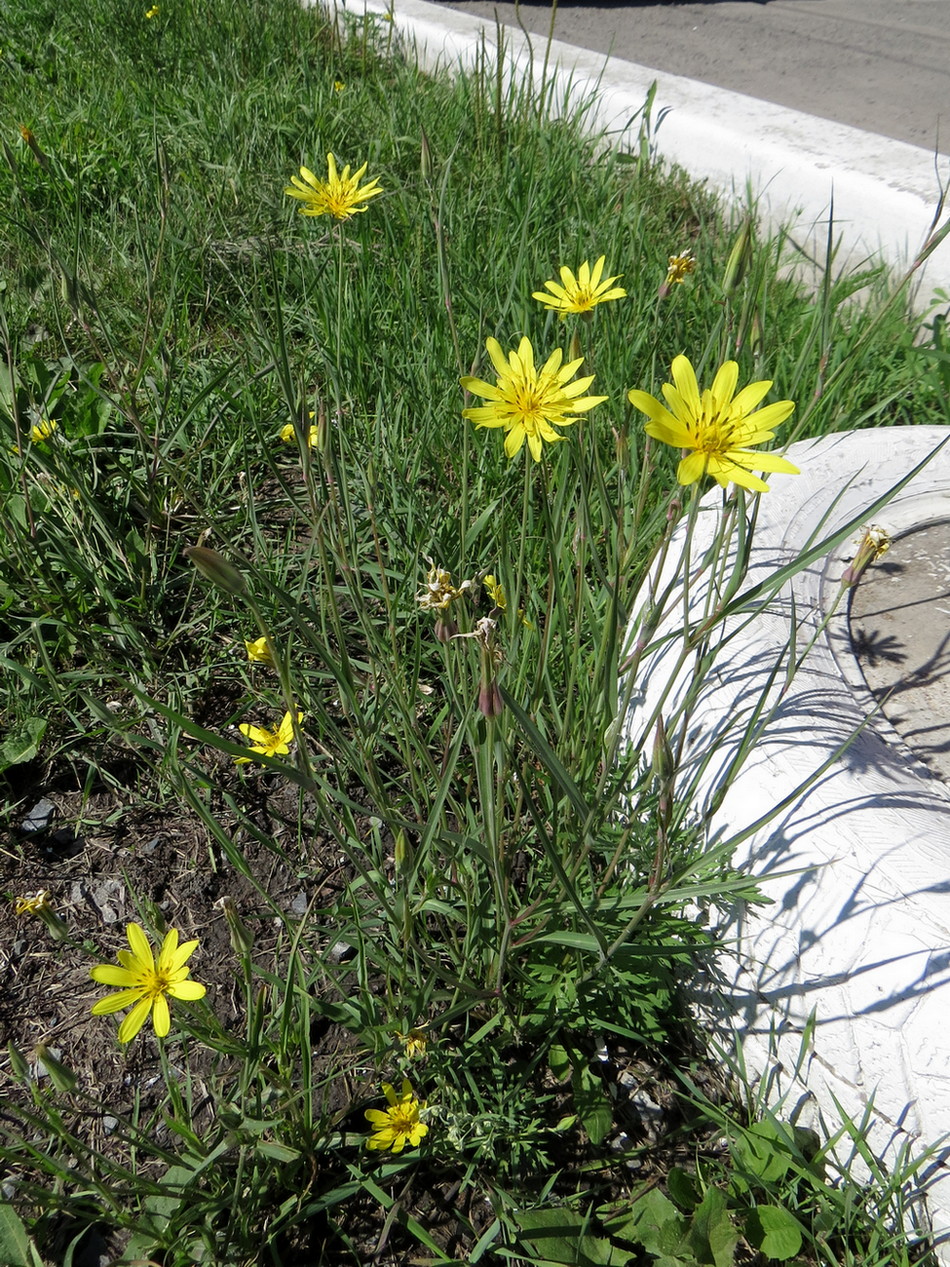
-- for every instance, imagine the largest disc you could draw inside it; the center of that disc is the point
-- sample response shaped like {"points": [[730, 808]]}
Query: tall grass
{"points": [[510, 883]]}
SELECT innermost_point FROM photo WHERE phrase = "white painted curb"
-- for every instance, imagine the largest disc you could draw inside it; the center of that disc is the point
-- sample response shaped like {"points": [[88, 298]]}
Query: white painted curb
{"points": [[860, 932], [885, 192]]}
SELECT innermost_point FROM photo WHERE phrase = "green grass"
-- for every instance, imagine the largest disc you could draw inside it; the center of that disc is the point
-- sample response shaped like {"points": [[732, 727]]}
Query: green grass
{"points": [[517, 883]]}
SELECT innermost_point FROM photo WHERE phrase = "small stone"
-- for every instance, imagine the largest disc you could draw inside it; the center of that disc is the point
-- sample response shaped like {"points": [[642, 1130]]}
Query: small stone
{"points": [[39, 817], [150, 846], [109, 1124], [341, 952], [300, 904]]}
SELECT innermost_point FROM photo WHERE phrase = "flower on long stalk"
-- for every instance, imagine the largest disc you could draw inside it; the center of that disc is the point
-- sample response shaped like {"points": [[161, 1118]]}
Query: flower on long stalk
{"points": [[680, 266], [145, 985], [260, 651], [437, 595], [580, 294], [717, 426], [288, 434], [269, 743], [339, 195], [43, 429], [33, 903], [529, 403], [399, 1124]]}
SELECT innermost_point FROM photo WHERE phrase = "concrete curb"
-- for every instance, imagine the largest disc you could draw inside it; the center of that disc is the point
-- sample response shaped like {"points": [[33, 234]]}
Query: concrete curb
{"points": [[855, 861], [885, 193]]}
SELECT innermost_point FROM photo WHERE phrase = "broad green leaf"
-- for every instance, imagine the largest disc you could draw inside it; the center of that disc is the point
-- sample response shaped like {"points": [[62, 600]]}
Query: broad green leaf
{"points": [[560, 1235], [774, 1231], [593, 1107], [712, 1235], [16, 1249]]}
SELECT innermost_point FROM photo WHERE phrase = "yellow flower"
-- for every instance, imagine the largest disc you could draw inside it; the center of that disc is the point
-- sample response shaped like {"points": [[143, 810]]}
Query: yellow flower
{"points": [[680, 266], [271, 743], [152, 12], [337, 196], [33, 903], [398, 1125], [289, 434], [580, 293], [438, 594], [415, 1042], [496, 594], [145, 984], [717, 425], [526, 402], [43, 430], [338, 85], [259, 652]]}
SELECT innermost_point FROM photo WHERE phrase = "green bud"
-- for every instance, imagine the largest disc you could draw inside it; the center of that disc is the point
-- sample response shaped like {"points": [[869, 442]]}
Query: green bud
{"points": [[216, 569], [403, 854], [242, 939], [740, 258], [18, 1063], [63, 1079]]}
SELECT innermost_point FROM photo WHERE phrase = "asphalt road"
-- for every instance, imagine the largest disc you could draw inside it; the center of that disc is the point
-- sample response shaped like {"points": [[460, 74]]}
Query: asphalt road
{"points": [[879, 65]]}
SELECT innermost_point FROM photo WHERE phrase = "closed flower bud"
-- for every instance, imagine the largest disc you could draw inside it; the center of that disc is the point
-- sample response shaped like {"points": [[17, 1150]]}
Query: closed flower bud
{"points": [[740, 258], [242, 939], [216, 569]]}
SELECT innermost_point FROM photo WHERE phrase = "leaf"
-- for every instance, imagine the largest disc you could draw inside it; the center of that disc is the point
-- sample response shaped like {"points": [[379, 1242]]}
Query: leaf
{"points": [[593, 1107], [24, 743], [765, 1151], [681, 1186], [560, 1235], [654, 1222], [559, 1062], [774, 1231], [712, 1235], [16, 1249]]}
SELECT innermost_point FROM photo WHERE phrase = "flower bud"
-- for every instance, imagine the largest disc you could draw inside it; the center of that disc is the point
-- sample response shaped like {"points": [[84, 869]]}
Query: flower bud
{"points": [[740, 259], [242, 939], [63, 1079], [216, 569], [875, 543]]}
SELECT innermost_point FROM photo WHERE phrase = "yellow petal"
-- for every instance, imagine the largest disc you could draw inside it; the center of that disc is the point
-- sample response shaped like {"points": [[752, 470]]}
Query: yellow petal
{"points": [[140, 946], [135, 1020]]}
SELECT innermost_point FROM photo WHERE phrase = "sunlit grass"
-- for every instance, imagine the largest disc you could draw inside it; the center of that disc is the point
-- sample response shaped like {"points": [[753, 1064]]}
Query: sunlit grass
{"points": [[263, 576]]}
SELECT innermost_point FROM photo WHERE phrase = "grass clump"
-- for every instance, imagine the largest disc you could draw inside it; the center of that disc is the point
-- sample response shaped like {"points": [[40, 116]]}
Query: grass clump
{"points": [[315, 672]]}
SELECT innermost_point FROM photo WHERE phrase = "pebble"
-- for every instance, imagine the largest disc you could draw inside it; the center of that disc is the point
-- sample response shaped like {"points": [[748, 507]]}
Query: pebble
{"points": [[39, 817], [340, 952]]}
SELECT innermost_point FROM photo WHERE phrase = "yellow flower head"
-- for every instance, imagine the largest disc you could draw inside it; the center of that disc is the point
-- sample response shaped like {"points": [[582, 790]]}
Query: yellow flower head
{"points": [[529, 403], [415, 1042], [338, 85], [680, 266], [438, 594], [144, 984], [717, 425], [337, 196], [33, 903], [43, 429], [271, 743], [152, 12], [580, 293], [398, 1125], [288, 434], [259, 652]]}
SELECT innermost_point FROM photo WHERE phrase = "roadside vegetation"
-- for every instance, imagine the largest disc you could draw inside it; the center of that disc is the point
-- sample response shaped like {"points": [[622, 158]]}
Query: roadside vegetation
{"points": [[342, 924]]}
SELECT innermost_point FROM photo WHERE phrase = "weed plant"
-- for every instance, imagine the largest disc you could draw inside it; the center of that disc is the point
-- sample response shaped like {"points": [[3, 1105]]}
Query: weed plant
{"points": [[262, 585]]}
